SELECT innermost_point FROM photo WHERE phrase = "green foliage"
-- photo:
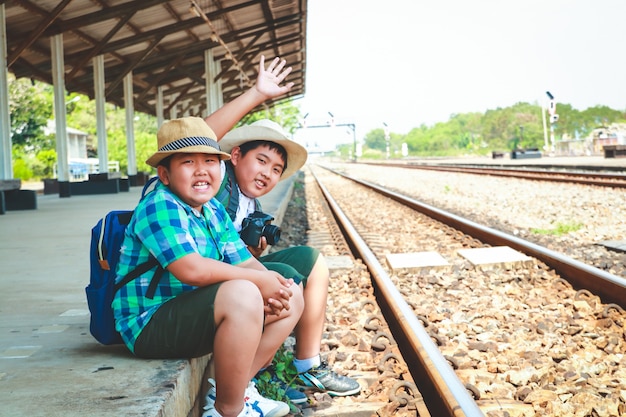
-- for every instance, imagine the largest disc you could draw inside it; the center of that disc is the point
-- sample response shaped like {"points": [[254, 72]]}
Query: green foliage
{"points": [[284, 371], [375, 139], [145, 130], [500, 129], [21, 170], [560, 229], [30, 106], [373, 154], [47, 158], [344, 151], [286, 114], [520, 125]]}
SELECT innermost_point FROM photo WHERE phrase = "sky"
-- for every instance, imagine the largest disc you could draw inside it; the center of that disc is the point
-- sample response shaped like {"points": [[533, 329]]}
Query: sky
{"points": [[405, 63]]}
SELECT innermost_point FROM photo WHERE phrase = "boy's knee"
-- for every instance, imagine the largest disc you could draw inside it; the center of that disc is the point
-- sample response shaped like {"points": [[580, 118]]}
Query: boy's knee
{"points": [[241, 293]]}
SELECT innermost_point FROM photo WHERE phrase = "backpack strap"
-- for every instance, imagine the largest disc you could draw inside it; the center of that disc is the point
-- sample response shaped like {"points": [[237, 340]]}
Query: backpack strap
{"points": [[149, 186], [150, 263], [141, 269], [228, 193], [123, 218]]}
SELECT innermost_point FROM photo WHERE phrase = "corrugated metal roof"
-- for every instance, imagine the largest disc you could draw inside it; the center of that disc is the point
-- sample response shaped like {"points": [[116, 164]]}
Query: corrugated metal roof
{"points": [[162, 42]]}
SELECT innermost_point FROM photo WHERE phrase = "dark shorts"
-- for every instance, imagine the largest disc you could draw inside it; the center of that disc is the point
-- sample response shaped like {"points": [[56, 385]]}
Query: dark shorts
{"points": [[296, 262], [183, 327]]}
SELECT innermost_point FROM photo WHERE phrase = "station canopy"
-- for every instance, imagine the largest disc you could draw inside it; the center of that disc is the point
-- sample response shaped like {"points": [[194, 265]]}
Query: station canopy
{"points": [[163, 43]]}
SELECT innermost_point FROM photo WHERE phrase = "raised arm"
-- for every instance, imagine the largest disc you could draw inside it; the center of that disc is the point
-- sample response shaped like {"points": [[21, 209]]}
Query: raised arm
{"points": [[268, 85]]}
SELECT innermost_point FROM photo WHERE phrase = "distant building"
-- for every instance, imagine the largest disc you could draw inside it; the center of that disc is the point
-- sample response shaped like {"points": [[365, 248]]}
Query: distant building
{"points": [[80, 165], [614, 134]]}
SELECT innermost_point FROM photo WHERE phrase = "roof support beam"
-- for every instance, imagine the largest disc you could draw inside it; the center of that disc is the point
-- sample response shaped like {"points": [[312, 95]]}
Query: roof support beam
{"points": [[88, 56], [103, 15], [133, 64], [37, 32]]}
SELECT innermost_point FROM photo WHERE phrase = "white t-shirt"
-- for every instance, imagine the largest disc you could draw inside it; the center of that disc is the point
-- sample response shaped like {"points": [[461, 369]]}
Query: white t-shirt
{"points": [[245, 208], [246, 204]]}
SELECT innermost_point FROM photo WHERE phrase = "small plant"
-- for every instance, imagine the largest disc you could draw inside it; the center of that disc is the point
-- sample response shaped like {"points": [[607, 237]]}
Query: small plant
{"points": [[273, 381], [559, 230], [298, 183], [298, 202]]}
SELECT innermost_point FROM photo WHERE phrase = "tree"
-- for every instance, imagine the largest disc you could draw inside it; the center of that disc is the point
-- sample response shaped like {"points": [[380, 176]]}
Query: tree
{"points": [[286, 114], [375, 139], [598, 116], [30, 106], [47, 158], [145, 130]]}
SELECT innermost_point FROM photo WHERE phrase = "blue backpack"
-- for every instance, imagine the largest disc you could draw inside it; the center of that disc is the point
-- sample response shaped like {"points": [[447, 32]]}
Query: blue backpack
{"points": [[106, 240]]}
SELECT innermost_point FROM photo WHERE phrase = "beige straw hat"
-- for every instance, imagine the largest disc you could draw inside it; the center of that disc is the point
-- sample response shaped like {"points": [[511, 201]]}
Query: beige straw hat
{"points": [[271, 131], [186, 135]]}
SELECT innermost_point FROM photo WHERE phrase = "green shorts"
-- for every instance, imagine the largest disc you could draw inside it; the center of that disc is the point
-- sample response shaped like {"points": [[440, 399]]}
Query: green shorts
{"points": [[296, 262], [183, 327]]}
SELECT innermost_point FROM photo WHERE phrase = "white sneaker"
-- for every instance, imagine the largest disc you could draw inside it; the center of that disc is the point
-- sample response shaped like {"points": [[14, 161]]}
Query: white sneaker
{"points": [[260, 405], [264, 406], [209, 400], [246, 412]]}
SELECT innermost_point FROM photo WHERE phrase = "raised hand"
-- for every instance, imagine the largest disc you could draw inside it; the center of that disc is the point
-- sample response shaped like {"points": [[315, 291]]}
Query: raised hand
{"points": [[269, 79]]}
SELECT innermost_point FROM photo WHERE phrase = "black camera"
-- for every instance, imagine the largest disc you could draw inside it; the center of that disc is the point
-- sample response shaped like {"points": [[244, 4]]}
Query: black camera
{"points": [[256, 225]]}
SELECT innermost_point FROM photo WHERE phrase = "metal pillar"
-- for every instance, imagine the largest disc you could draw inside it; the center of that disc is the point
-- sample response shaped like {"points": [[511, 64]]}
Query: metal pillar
{"points": [[101, 130], [212, 88], [159, 106], [130, 128], [545, 129], [58, 81], [6, 164], [387, 139]]}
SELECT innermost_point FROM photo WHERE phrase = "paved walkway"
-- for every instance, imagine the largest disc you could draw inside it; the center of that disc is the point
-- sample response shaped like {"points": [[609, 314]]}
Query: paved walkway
{"points": [[50, 365]]}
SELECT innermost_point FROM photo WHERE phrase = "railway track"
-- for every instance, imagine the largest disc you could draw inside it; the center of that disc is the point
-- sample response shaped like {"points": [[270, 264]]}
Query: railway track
{"points": [[589, 177], [515, 339]]}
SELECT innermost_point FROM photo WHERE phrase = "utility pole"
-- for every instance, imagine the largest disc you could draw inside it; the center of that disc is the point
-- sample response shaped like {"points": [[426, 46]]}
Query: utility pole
{"points": [[387, 138], [554, 117]]}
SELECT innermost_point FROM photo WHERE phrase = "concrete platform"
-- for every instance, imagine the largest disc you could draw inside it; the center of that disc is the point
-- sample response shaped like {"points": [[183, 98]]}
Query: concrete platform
{"points": [[415, 261], [50, 365], [614, 245], [493, 257]]}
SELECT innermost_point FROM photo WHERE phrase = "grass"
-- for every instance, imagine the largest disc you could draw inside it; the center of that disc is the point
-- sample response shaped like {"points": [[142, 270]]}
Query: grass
{"points": [[559, 229]]}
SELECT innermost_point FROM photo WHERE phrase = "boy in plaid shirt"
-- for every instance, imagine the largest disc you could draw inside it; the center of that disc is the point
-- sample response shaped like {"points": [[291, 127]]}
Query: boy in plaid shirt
{"points": [[212, 295]]}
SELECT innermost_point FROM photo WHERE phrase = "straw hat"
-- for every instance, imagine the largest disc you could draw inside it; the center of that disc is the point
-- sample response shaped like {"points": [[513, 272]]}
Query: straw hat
{"points": [[187, 135], [270, 131]]}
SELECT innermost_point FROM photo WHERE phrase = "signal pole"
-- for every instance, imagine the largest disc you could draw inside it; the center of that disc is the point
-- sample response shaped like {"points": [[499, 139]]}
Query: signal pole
{"points": [[554, 117]]}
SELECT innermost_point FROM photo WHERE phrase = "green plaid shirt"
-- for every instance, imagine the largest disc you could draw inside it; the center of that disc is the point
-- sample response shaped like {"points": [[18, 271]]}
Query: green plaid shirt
{"points": [[169, 229]]}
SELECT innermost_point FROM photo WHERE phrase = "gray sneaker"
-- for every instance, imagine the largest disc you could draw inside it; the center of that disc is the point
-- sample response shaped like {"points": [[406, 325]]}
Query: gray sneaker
{"points": [[325, 379]]}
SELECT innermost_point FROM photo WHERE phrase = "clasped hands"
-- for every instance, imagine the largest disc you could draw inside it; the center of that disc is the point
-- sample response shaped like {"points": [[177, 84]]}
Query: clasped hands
{"points": [[276, 291]]}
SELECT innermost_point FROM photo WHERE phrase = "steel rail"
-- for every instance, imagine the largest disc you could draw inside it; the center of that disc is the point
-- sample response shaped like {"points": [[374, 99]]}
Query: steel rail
{"points": [[597, 179], [610, 288], [443, 392]]}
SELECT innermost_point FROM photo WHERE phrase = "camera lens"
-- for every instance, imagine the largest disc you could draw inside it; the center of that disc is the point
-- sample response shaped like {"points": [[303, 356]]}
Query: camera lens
{"points": [[271, 233]]}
